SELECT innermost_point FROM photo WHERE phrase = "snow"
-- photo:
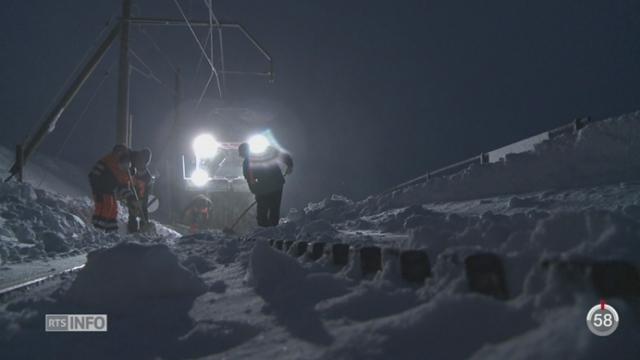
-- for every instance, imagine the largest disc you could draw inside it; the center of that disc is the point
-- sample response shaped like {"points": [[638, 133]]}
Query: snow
{"points": [[212, 296], [517, 147], [37, 223], [113, 279], [602, 153]]}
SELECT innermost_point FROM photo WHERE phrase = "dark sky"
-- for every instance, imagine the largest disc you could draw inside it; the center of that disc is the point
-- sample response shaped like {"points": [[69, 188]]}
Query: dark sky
{"points": [[377, 92]]}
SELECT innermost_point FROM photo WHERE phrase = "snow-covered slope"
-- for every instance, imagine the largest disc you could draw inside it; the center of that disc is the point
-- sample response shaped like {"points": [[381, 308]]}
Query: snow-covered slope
{"points": [[604, 152], [49, 215]]}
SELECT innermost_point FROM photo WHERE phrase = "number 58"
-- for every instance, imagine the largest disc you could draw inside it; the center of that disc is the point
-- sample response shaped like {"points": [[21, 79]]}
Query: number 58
{"points": [[600, 319]]}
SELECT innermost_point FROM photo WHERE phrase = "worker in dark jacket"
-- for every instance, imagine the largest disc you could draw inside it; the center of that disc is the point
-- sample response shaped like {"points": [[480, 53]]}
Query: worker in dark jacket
{"points": [[109, 180], [266, 181], [142, 181]]}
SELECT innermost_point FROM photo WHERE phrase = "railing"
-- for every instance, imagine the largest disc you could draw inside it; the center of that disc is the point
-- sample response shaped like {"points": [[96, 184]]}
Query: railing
{"points": [[495, 155]]}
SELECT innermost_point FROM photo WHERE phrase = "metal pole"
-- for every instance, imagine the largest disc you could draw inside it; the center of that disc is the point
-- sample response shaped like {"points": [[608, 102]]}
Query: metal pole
{"points": [[19, 162], [52, 117], [177, 22], [122, 121], [173, 182], [130, 131]]}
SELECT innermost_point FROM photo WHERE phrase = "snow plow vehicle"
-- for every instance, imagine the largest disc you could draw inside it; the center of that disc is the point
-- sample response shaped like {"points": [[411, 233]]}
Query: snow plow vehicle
{"points": [[208, 190]]}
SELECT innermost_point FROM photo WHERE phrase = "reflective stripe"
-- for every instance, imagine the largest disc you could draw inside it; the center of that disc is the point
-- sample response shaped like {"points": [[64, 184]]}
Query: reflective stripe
{"points": [[104, 224]]}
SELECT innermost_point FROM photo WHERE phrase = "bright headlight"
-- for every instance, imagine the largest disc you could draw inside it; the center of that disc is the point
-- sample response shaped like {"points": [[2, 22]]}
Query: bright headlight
{"points": [[205, 146], [199, 177], [258, 144]]}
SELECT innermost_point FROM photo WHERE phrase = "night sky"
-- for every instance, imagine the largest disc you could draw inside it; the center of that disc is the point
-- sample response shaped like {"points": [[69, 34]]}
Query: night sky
{"points": [[367, 93]]}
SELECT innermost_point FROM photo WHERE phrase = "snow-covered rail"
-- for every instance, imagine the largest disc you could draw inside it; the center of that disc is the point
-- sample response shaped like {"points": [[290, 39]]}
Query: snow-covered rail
{"points": [[497, 154], [36, 281]]}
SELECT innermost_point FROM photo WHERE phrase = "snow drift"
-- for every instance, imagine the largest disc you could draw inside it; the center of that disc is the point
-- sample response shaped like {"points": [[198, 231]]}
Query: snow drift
{"points": [[35, 223], [604, 152], [114, 279]]}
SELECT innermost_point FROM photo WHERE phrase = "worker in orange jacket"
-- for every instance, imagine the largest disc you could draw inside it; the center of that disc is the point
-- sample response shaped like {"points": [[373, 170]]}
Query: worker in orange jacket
{"points": [[109, 179], [196, 214]]}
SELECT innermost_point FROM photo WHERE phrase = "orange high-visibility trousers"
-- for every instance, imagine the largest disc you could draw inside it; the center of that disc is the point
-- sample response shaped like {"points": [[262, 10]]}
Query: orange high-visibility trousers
{"points": [[105, 214]]}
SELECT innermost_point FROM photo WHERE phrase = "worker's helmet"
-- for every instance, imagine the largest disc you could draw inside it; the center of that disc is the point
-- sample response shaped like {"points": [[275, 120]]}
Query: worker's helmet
{"points": [[120, 149], [243, 150]]}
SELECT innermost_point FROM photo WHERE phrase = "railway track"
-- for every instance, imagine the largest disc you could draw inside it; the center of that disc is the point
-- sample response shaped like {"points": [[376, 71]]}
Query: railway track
{"points": [[14, 278]]}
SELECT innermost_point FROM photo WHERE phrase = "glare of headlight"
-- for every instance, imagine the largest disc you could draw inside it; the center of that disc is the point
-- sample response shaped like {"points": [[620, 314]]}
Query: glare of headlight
{"points": [[205, 146], [199, 177], [258, 144]]}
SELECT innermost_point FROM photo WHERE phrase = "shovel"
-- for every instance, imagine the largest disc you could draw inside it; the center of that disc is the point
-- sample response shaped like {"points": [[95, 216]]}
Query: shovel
{"points": [[229, 230]]}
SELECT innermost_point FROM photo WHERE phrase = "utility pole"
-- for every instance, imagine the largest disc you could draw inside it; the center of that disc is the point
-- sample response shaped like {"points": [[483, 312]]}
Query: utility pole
{"points": [[173, 146], [123, 121]]}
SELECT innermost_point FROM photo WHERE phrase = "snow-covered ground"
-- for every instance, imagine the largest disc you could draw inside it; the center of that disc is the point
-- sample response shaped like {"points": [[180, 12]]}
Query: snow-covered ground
{"points": [[604, 152], [213, 296], [49, 215]]}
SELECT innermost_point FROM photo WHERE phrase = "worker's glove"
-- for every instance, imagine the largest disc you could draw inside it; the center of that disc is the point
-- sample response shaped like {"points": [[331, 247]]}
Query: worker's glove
{"points": [[288, 162], [132, 202], [124, 193]]}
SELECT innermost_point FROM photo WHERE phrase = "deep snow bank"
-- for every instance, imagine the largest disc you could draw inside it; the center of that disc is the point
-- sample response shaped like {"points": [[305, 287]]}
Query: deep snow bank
{"points": [[37, 224], [113, 279], [604, 152], [147, 296]]}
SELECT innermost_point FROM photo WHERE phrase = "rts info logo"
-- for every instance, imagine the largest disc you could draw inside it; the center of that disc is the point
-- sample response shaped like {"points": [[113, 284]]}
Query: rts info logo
{"points": [[75, 322]]}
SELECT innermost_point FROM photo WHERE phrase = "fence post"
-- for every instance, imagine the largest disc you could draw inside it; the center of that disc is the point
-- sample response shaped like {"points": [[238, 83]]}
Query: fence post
{"points": [[301, 248], [19, 162], [580, 123], [317, 250], [484, 158]]}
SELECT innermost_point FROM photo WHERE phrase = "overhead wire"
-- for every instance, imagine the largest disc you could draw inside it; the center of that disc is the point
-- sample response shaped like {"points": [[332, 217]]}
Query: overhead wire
{"points": [[158, 49], [149, 74], [212, 15], [202, 49], [206, 43], [80, 117], [210, 37], [73, 73]]}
